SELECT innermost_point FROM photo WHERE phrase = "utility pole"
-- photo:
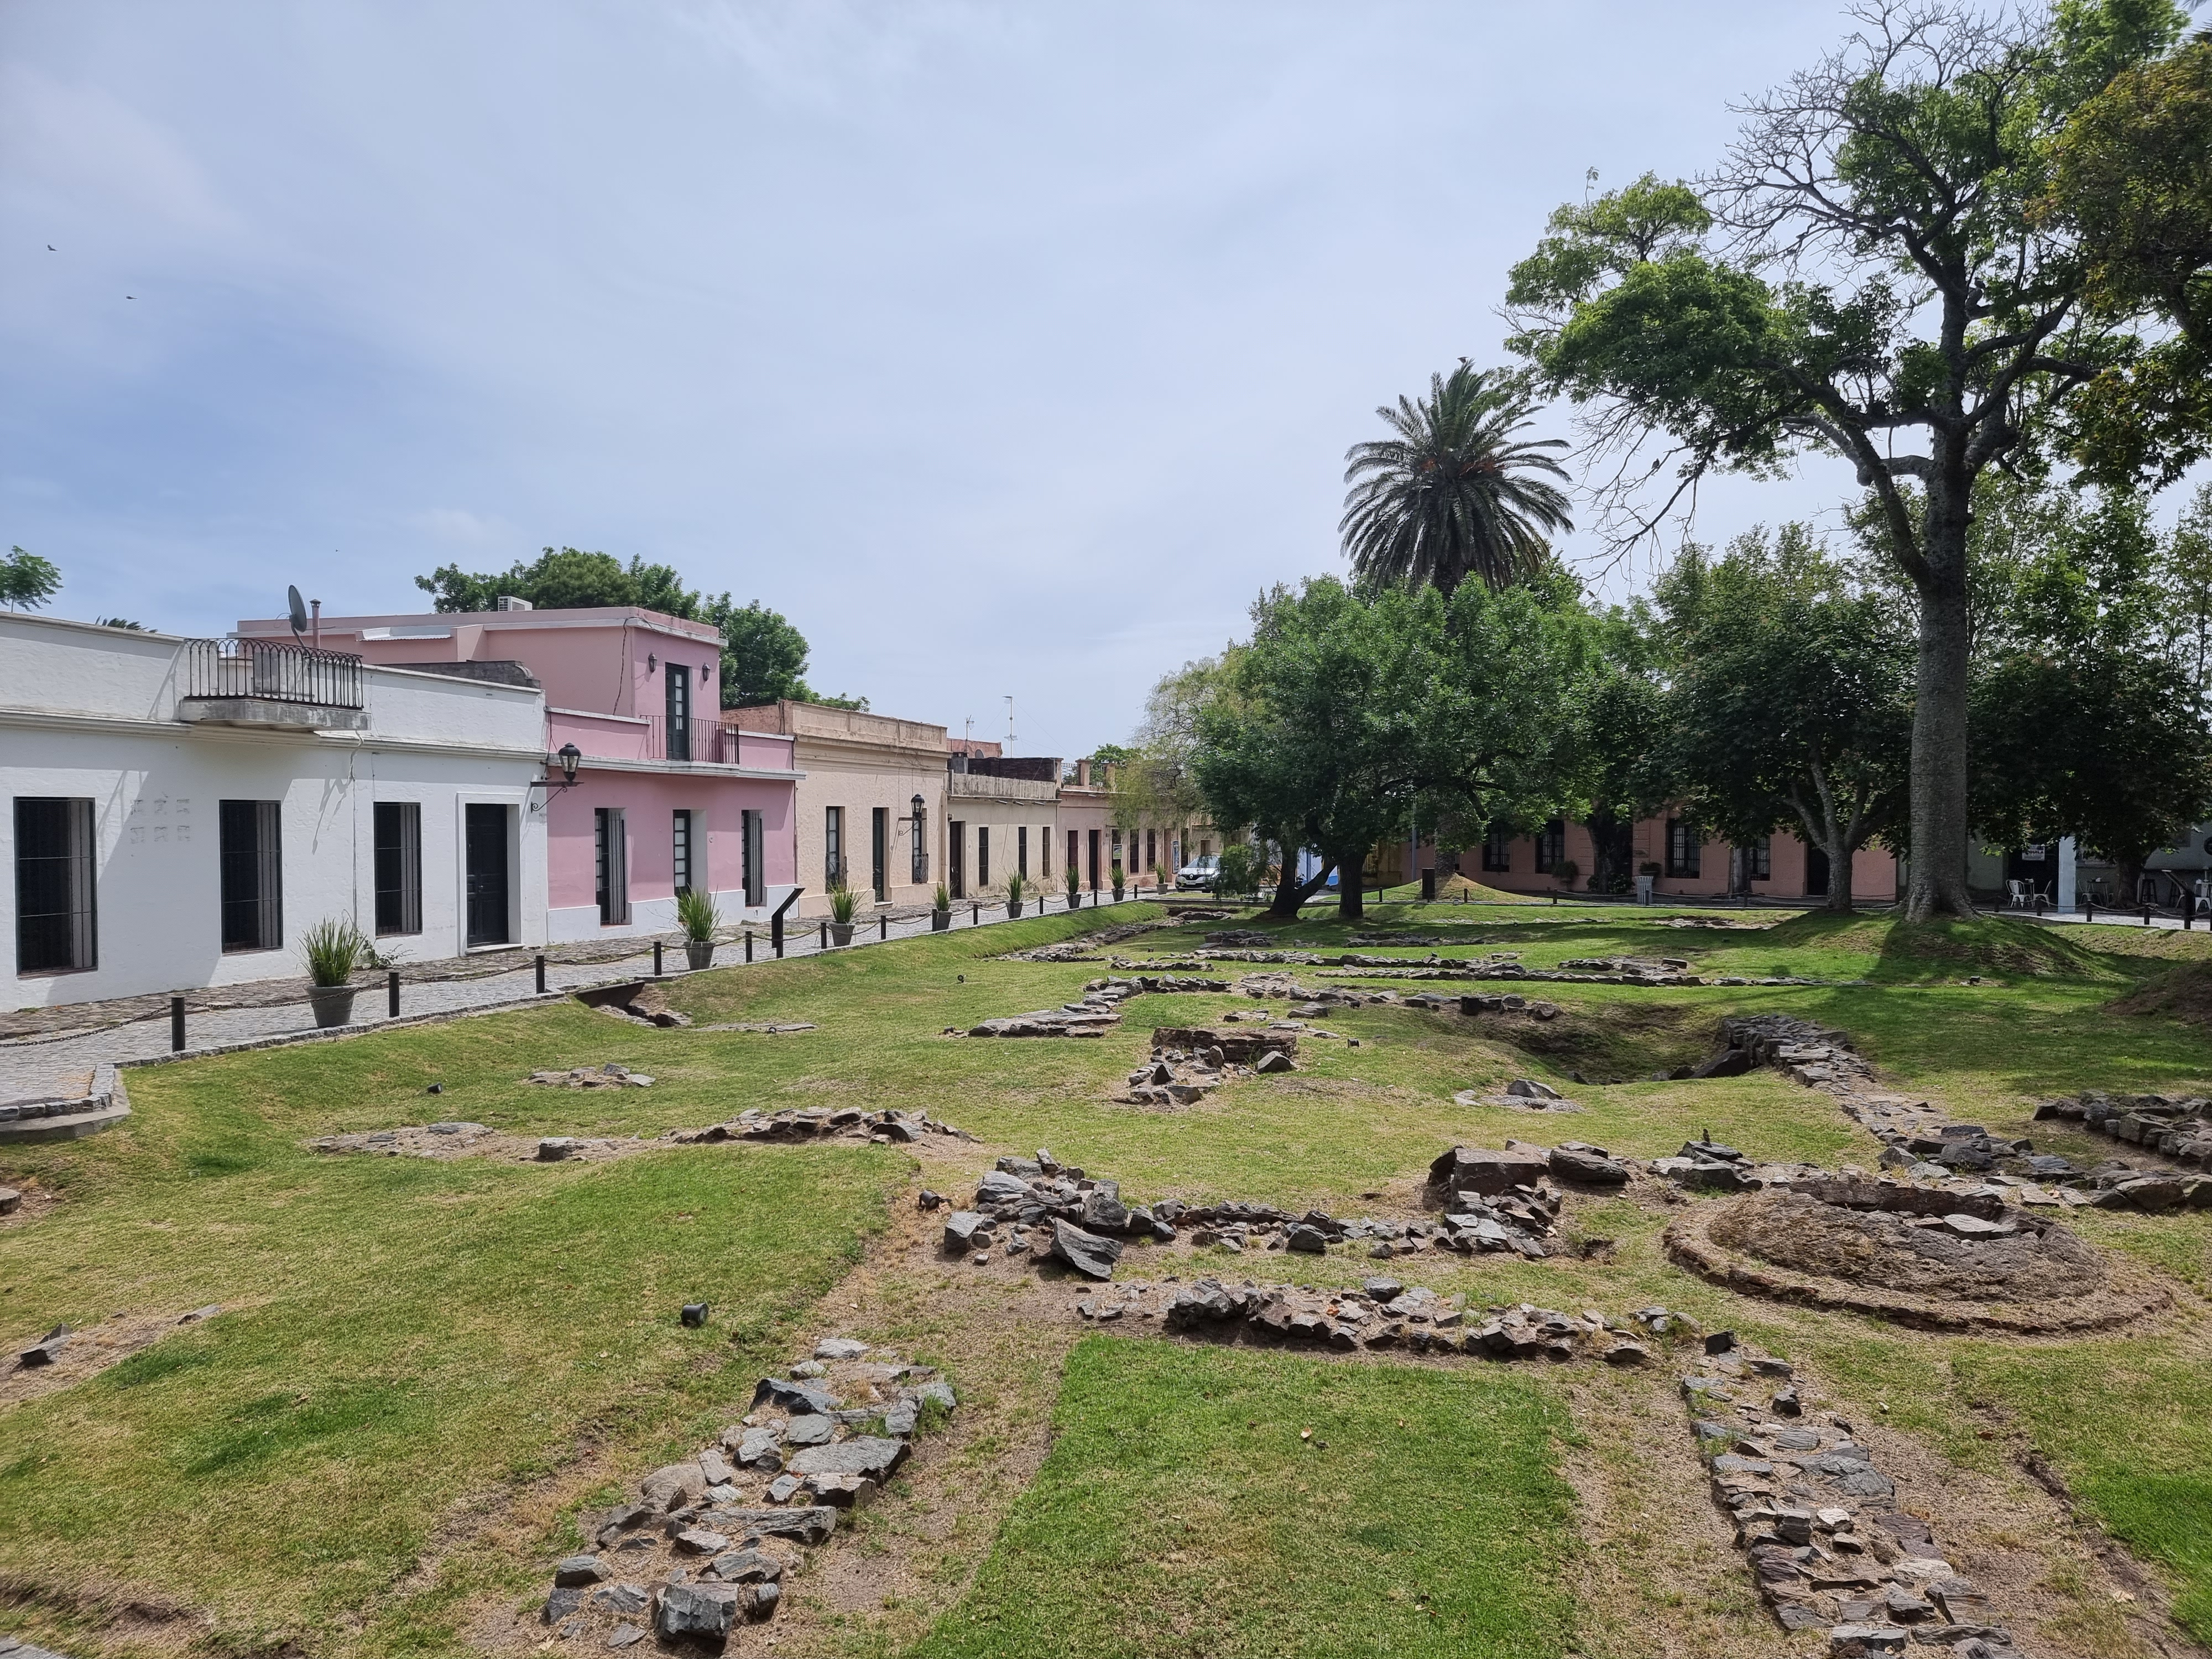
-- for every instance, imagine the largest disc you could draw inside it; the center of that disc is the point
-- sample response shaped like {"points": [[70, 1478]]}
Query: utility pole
{"points": [[1010, 724]]}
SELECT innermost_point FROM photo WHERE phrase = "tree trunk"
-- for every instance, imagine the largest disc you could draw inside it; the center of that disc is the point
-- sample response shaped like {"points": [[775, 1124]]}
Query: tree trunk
{"points": [[1351, 902], [1290, 893], [1938, 852], [1839, 874]]}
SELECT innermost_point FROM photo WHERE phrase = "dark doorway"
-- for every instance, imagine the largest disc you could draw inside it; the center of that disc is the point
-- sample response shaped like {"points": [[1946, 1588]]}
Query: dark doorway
{"points": [[1094, 860], [956, 856], [1816, 873], [487, 868], [880, 852]]}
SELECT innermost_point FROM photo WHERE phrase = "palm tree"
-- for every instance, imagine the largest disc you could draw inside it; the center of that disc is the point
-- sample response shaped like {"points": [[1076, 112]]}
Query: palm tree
{"points": [[1449, 497]]}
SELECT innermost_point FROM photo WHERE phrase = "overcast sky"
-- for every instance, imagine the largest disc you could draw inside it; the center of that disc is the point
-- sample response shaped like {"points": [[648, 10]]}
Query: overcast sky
{"points": [[1007, 349]]}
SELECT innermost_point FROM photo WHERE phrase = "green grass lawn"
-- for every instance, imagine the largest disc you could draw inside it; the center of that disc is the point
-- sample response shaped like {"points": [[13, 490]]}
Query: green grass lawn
{"points": [[409, 1345], [1223, 1503]]}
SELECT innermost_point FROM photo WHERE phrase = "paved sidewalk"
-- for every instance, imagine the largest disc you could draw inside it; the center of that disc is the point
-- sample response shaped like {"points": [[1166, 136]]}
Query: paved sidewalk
{"points": [[34, 1067]]}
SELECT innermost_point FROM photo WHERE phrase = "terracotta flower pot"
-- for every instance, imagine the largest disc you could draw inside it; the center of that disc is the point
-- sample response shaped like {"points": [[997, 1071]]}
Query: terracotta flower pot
{"points": [[332, 1004]]}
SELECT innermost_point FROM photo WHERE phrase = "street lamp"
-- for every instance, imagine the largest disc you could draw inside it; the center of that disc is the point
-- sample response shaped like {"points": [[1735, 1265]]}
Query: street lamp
{"points": [[569, 757]]}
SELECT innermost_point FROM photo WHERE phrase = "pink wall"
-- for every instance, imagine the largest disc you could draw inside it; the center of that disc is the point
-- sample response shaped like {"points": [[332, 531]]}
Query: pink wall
{"points": [[1874, 871], [650, 801], [607, 660]]}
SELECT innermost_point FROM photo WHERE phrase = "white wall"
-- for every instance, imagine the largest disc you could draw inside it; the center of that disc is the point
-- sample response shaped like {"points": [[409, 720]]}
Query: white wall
{"points": [[87, 719]]}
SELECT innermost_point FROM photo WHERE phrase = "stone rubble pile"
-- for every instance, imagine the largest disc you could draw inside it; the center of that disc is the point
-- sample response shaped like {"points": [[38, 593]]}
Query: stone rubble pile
{"points": [[1829, 1543], [1384, 1315], [1188, 1063], [1098, 1012], [609, 1076], [889, 1126], [1920, 1142], [2178, 1128], [705, 1544]]}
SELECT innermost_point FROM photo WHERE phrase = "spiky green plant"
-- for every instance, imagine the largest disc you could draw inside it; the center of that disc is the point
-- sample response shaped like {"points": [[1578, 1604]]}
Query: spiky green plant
{"points": [[333, 949], [696, 915], [942, 899], [844, 904]]}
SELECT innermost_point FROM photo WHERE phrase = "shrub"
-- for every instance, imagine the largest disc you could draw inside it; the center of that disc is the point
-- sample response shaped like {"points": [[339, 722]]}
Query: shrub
{"points": [[844, 903], [943, 898], [696, 915], [333, 948]]}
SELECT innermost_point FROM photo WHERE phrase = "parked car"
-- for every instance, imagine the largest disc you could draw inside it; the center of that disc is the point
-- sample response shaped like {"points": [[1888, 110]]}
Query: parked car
{"points": [[1201, 872]]}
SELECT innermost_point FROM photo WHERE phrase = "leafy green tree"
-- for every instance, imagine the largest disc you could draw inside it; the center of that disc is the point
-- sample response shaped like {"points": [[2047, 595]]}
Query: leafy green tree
{"points": [[564, 579], [1864, 276], [763, 656], [2132, 181], [1350, 715], [27, 581], [1790, 697], [1619, 753], [2090, 705], [1451, 495]]}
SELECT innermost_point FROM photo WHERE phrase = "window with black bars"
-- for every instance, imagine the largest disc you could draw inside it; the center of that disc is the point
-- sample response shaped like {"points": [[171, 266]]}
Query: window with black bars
{"points": [[1685, 850], [1551, 847], [56, 929], [1498, 852], [251, 855], [398, 867]]}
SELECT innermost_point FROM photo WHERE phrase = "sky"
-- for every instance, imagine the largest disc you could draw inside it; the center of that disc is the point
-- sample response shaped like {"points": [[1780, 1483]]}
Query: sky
{"points": [[1009, 349]]}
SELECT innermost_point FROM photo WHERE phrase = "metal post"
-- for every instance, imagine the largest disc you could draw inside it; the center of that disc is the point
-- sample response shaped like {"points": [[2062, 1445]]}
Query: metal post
{"points": [[975, 915], [825, 935], [2089, 909], [883, 925], [656, 959], [541, 973], [2146, 915], [748, 944], [176, 1025], [391, 994]]}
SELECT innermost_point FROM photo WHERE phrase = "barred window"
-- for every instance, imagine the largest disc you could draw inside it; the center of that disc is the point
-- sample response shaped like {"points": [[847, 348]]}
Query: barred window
{"points": [[1551, 847], [1684, 848], [1498, 852]]}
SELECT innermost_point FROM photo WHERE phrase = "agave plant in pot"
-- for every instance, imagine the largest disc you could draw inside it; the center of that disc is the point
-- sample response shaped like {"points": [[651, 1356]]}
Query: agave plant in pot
{"points": [[696, 915], [1115, 874], [1074, 890], [1016, 887], [844, 904], [940, 914], [333, 949]]}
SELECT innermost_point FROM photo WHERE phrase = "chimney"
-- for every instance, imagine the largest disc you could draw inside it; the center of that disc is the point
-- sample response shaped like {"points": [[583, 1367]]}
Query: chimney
{"points": [[1083, 774]]}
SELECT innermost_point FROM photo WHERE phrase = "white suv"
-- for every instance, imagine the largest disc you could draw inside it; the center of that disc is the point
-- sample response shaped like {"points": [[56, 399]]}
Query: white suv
{"points": [[1201, 872]]}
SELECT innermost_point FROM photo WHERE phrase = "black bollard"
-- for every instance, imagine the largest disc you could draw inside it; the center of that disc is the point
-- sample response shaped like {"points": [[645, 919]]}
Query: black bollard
{"points": [[2089, 909], [176, 1025], [975, 915], [656, 959], [883, 927], [748, 944], [541, 975], [392, 994], [825, 935], [2146, 915]]}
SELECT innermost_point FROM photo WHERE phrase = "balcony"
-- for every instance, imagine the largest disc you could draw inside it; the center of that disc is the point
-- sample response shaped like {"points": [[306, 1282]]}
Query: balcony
{"points": [[260, 683]]}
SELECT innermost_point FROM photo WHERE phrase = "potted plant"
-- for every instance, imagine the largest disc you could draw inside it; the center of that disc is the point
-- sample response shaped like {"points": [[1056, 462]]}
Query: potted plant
{"points": [[334, 947], [940, 914], [1074, 890], [844, 903], [1015, 888], [1569, 872], [696, 915], [1114, 872]]}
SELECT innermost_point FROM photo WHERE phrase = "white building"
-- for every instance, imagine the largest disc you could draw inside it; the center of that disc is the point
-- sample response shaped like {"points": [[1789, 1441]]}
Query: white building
{"points": [[175, 813]]}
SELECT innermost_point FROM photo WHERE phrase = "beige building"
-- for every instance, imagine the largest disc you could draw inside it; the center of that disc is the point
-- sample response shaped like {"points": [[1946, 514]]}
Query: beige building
{"points": [[1004, 819], [871, 801]]}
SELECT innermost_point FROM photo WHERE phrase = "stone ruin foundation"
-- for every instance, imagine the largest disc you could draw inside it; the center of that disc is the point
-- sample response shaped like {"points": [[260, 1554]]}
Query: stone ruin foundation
{"points": [[704, 1545], [1830, 1544], [1926, 1257]]}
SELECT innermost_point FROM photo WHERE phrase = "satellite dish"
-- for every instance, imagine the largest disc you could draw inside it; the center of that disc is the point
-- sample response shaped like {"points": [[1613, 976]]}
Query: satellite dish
{"points": [[299, 610]]}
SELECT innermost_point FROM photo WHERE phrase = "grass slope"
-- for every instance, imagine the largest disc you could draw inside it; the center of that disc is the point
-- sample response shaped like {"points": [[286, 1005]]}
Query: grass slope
{"points": [[1182, 1512]]}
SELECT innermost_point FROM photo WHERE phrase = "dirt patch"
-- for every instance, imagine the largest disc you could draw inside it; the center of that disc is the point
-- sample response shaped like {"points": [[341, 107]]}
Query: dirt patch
{"points": [[2027, 1277], [33, 1202], [87, 1352], [1621, 1042], [2183, 993]]}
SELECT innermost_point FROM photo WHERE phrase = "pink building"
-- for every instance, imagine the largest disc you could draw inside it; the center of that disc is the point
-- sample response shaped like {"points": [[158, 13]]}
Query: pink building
{"points": [[1676, 858], [665, 797]]}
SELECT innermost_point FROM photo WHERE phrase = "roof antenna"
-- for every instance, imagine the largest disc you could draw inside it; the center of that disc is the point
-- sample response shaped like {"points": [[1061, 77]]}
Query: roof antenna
{"points": [[1009, 723]]}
